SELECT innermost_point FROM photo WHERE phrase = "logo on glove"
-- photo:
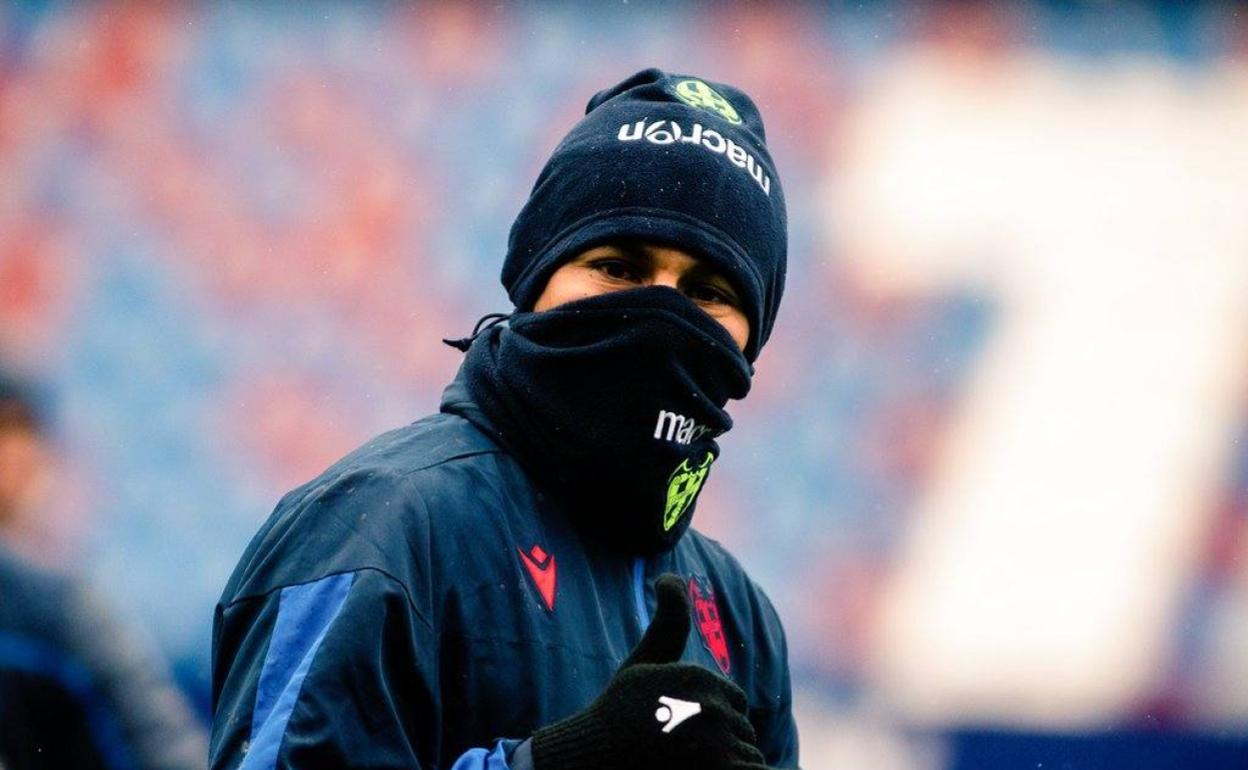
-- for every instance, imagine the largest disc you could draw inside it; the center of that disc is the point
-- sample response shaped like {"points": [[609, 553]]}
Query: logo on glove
{"points": [[673, 711]]}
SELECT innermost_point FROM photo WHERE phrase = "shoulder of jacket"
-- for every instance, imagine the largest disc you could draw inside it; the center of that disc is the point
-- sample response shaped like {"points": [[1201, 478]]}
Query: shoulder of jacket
{"points": [[377, 507], [428, 442], [406, 466]]}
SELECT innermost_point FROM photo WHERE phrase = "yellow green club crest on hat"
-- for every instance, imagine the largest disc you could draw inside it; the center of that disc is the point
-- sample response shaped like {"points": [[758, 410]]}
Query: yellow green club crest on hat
{"points": [[682, 489], [696, 93]]}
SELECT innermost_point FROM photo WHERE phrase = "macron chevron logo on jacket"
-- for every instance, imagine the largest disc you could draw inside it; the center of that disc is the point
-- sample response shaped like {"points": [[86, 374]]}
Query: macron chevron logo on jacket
{"points": [[541, 567]]}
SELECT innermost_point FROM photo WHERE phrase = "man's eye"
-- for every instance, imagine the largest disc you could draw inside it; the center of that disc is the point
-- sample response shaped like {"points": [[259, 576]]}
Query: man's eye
{"points": [[616, 269], [710, 293]]}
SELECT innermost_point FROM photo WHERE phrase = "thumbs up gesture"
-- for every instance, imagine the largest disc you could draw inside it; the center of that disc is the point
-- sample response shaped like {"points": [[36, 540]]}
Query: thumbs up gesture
{"points": [[656, 712]]}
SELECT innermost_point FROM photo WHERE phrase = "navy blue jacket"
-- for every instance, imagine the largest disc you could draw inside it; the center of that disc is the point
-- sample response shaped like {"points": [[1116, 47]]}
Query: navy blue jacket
{"points": [[423, 604]]}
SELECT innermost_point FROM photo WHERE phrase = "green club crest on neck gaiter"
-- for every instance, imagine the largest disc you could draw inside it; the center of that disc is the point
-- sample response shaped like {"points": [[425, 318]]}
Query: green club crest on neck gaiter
{"points": [[682, 489]]}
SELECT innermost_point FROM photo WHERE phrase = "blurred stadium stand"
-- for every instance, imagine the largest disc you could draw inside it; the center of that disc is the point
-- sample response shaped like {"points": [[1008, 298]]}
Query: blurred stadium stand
{"points": [[232, 236]]}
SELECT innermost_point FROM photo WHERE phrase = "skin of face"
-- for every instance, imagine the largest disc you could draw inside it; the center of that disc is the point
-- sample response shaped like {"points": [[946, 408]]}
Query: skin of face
{"points": [[627, 265], [24, 472]]}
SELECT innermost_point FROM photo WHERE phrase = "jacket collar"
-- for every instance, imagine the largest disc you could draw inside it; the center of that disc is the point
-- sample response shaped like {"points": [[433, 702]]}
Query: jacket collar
{"points": [[457, 401]]}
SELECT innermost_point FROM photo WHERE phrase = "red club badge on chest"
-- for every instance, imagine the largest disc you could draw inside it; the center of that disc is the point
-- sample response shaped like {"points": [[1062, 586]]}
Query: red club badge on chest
{"points": [[706, 612]]}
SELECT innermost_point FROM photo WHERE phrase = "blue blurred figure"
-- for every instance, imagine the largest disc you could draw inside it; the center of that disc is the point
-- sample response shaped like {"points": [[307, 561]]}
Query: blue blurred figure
{"points": [[77, 688]]}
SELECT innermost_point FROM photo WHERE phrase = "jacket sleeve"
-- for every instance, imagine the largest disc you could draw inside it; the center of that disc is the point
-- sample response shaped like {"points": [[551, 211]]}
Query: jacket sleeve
{"points": [[773, 719], [338, 672], [777, 730]]}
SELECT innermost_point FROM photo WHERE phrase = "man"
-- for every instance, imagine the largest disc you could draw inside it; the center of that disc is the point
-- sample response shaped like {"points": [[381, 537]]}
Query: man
{"points": [[77, 688], [470, 590]]}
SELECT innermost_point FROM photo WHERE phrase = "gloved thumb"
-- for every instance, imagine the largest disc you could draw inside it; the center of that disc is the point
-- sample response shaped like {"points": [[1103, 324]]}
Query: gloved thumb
{"points": [[665, 639]]}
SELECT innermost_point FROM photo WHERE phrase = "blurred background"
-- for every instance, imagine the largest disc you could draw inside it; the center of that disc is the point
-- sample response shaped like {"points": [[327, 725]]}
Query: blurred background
{"points": [[994, 468]]}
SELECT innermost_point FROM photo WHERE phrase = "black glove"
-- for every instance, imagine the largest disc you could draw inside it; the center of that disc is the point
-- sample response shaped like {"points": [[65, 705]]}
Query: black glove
{"points": [[655, 713]]}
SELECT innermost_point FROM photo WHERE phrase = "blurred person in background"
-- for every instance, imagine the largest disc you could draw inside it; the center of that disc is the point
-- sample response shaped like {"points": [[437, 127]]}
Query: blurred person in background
{"points": [[466, 591], [78, 689], [25, 459]]}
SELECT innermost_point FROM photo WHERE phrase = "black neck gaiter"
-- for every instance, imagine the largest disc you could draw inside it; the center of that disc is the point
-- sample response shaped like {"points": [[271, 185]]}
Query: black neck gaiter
{"points": [[613, 403]]}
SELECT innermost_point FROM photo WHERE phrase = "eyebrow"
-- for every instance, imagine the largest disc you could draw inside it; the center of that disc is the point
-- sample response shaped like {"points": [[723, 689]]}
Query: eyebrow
{"points": [[633, 250]]}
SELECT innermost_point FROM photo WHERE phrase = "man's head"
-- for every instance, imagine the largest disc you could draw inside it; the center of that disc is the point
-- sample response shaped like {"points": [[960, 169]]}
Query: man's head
{"points": [[669, 173]]}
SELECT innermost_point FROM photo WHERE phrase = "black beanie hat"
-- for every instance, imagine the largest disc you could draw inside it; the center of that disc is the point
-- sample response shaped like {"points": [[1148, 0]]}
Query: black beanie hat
{"points": [[672, 159]]}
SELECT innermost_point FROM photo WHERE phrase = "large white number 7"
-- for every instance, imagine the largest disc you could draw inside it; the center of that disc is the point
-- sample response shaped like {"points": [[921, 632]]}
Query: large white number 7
{"points": [[1106, 211]]}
